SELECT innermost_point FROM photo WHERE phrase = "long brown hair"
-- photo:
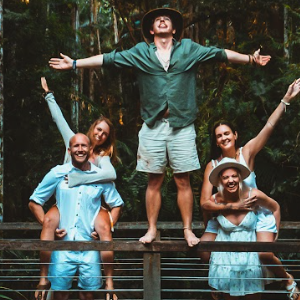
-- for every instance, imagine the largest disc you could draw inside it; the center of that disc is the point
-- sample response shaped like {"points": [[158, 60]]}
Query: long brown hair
{"points": [[109, 146], [215, 152]]}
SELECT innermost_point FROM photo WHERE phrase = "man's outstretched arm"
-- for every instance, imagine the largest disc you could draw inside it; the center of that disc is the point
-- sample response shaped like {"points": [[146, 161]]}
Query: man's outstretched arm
{"points": [[67, 63], [255, 59]]}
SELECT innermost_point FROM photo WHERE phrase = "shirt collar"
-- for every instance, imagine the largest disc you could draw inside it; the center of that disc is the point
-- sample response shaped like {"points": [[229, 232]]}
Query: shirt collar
{"points": [[74, 169], [175, 43]]}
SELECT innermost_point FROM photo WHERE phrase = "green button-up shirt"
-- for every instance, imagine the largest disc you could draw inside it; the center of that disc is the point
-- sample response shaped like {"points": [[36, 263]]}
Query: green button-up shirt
{"points": [[159, 89]]}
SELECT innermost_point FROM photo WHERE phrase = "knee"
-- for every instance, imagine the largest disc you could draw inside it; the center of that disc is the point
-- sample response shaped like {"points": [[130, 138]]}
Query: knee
{"points": [[155, 181], [265, 257], [182, 181], [104, 230], [50, 223]]}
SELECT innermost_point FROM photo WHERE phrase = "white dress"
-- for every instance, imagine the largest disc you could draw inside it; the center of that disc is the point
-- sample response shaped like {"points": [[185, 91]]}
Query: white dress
{"points": [[236, 273]]}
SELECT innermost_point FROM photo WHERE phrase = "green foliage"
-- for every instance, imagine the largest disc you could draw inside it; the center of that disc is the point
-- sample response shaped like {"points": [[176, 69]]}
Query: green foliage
{"points": [[245, 95]]}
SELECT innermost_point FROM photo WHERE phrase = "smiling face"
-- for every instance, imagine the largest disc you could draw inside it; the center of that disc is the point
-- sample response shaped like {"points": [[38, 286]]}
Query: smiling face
{"points": [[79, 149], [230, 179], [100, 133], [162, 25], [225, 138]]}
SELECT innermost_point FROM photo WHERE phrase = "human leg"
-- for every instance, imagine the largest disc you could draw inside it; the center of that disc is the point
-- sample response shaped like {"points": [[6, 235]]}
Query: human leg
{"points": [[86, 295], [207, 237], [153, 204], [51, 222], [274, 265], [103, 228], [185, 204], [57, 295], [270, 260], [152, 159], [183, 158]]}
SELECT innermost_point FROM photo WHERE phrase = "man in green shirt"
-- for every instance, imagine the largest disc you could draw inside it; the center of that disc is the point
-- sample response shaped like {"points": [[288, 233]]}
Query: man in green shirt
{"points": [[166, 69]]}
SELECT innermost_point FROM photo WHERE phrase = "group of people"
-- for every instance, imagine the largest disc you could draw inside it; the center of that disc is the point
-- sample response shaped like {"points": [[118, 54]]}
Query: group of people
{"points": [[88, 204]]}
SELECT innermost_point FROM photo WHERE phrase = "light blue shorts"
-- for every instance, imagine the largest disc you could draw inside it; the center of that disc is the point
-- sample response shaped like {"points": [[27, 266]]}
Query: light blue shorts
{"points": [[161, 144], [265, 221], [65, 264], [212, 226]]}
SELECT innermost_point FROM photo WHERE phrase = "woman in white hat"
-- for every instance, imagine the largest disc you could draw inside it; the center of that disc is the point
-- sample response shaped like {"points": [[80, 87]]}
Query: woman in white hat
{"points": [[225, 144], [237, 274]]}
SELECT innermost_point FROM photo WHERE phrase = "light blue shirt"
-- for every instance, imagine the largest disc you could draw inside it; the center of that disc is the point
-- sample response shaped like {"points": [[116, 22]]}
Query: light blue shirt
{"points": [[78, 206]]}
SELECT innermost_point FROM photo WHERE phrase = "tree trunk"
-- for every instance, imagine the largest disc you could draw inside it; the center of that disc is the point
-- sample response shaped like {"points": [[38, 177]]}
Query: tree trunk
{"points": [[75, 86], [116, 33], [1, 114], [285, 35], [92, 47]]}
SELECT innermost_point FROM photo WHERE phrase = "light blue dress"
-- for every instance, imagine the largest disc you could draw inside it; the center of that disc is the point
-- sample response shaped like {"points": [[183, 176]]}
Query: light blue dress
{"points": [[236, 273], [265, 218]]}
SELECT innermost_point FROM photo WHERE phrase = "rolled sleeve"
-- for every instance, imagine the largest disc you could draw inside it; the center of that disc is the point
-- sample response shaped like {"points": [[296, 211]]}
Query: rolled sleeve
{"points": [[111, 195], [46, 188]]}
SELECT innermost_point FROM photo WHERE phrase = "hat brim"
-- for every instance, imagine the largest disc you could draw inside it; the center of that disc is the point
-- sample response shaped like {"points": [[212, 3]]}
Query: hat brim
{"points": [[176, 17], [214, 174]]}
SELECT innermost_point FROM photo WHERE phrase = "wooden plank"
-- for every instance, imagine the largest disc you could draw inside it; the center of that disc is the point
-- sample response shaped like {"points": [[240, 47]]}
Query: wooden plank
{"points": [[156, 246], [287, 225], [152, 274]]}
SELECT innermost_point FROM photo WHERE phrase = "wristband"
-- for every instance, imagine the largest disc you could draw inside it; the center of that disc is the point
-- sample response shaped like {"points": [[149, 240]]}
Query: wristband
{"points": [[285, 103], [74, 64]]}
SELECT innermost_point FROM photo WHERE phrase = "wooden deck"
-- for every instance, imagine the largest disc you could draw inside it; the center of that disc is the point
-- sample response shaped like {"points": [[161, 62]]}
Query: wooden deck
{"points": [[165, 269]]}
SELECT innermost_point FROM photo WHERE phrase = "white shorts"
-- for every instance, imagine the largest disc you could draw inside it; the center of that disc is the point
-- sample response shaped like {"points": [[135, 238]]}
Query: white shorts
{"points": [[65, 264], [161, 144]]}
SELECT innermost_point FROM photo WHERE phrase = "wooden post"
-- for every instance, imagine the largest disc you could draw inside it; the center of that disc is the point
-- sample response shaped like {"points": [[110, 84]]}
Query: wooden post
{"points": [[152, 279]]}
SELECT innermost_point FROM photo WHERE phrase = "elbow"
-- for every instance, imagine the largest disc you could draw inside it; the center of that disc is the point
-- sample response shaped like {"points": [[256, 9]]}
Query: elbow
{"points": [[32, 206], [112, 175], [205, 207]]}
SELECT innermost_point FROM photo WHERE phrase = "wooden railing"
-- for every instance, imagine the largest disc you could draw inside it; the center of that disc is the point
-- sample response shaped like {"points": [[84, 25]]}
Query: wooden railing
{"points": [[152, 253]]}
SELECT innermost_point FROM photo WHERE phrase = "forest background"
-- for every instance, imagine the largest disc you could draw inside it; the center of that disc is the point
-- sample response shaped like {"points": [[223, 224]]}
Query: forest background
{"points": [[33, 31]]}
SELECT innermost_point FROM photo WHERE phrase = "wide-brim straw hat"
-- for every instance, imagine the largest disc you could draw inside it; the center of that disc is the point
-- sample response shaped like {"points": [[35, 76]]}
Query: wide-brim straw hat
{"points": [[175, 15], [227, 163]]}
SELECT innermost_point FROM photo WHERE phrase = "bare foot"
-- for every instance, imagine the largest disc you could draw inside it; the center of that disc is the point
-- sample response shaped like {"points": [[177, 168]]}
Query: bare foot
{"points": [[110, 295], [292, 289], [149, 237], [290, 280], [190, 237]]}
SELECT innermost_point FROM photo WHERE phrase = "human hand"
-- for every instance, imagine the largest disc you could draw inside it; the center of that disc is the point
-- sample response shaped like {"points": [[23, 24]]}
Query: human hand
{"points": [[44, 84], [293, 91], [95, 235], [261, 60], [245, 204], [60, 233], [64, 63]]}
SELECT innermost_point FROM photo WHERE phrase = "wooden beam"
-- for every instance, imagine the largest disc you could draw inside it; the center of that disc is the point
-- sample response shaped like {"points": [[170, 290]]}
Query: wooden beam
{"points": [[154, 247], [287, 225]]}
